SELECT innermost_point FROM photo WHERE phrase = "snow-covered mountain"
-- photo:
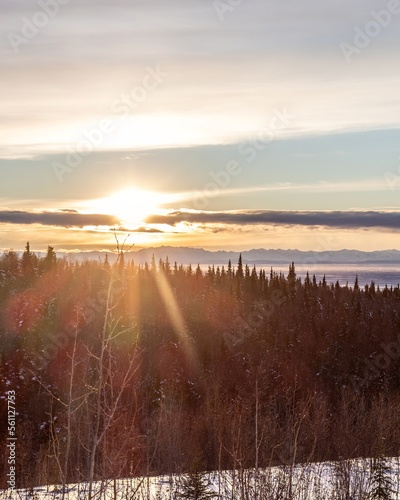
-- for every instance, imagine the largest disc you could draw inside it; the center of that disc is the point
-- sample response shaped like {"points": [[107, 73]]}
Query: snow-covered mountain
{"points": [[261, 256]]}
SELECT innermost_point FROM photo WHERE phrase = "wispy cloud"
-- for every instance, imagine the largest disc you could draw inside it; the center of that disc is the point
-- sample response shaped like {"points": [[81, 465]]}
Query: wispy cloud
{"points": [[271, 54], [367, 185]]}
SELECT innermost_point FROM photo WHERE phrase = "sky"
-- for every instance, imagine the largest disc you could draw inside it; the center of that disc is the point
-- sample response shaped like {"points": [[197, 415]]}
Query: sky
{"points": [[222, 124]]}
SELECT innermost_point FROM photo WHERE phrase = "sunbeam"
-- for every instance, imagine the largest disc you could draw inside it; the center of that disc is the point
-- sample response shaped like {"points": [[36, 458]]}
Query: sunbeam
{"points": [[176, 317]]}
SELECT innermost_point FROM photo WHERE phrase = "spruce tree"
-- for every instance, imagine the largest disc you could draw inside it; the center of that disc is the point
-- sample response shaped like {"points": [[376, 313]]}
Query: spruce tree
{"points": [[239, 272], [50, 259], [106, 263], [195, 486], [291, 279], [27, 261], [381, 482], [229, 269]]}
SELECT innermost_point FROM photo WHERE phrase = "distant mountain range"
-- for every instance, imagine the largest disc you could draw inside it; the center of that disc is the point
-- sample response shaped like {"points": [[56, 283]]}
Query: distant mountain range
{"points": [[259, 257]]}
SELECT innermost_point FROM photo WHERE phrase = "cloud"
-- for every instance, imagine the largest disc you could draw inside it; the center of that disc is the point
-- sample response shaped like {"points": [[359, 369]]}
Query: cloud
{"points": [[69, 218], [64, 218], [142, 229], [225, 78], [335, 219]]}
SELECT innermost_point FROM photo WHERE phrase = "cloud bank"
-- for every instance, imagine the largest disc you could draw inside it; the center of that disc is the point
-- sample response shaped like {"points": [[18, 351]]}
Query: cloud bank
{"points": [[64, 218], [334, 219]]}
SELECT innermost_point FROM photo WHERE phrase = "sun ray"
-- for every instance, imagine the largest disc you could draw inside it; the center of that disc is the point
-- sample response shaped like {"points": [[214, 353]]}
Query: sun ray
{"points": [[176, 317]]}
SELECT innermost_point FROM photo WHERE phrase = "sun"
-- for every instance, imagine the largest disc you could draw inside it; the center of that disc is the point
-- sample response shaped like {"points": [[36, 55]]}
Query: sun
{"points": [[131, 206]]}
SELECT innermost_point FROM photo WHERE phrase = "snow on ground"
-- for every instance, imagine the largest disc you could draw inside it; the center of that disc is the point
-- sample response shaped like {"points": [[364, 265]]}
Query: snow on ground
{"points": [[318, 481]]}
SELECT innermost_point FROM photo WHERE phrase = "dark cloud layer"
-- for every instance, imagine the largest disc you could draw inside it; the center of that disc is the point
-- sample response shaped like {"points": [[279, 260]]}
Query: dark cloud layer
{"points": [[338, 219], [62, 218]]}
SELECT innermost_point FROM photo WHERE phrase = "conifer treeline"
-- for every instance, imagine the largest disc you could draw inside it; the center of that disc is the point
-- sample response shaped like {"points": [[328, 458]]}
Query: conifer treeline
{"points": [[229, 368]]}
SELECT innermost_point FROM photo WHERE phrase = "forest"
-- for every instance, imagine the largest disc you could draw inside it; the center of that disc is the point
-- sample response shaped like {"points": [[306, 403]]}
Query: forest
{"points": [[124, 370]]}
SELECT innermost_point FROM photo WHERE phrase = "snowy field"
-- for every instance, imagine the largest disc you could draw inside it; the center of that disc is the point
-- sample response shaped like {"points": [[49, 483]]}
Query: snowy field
{"points": [[349, 480]]}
